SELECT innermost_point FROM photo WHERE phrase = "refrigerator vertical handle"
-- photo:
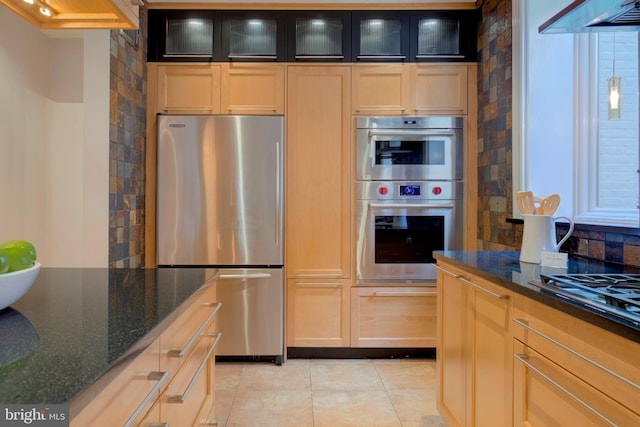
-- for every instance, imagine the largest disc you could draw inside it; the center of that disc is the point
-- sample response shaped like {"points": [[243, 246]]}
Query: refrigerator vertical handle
{"points": [[278, 192]]}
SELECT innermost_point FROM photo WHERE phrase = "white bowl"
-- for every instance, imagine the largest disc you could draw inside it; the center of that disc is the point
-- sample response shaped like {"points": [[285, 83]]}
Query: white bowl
{"points": [[15, 284]]}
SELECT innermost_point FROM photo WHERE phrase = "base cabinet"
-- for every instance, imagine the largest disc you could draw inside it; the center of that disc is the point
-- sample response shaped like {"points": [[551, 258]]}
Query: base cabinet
{"points": [[571, 372], [393, 317], [170, 383], [474, 350], [317, 313]]}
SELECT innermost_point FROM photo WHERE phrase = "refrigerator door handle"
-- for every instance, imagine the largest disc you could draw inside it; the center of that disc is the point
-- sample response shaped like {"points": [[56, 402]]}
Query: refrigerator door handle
{"points": [[245, 276], [278, 194]]}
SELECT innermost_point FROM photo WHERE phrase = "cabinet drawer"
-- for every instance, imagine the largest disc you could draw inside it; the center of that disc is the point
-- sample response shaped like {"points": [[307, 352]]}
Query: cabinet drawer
{"points": [[189, 397], [605, 360], [183, 336], [545, 391], [132, 390], [393, 317]]}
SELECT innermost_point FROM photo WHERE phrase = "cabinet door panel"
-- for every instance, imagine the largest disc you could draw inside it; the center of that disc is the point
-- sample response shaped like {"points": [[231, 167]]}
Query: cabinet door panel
{"points": [[393, 317], [189, 89], [317, 313], [252, 89], [381, 89], [440, 89], [318, 199]]}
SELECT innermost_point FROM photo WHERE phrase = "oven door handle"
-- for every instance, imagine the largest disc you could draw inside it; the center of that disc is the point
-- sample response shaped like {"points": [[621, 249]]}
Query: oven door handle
{"points": [[407, 206], [400, 132]]}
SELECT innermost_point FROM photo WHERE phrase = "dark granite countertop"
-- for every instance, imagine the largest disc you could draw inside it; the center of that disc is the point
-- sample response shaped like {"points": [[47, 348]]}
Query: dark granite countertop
{"points": [[73, 325], [505, 269]]}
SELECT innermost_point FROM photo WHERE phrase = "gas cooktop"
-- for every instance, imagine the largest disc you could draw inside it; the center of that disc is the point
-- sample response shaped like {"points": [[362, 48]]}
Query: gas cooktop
{"points": [[616, 295]]}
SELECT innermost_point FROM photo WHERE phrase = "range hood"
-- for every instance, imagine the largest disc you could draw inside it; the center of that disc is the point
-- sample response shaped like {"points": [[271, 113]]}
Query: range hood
{"points": [[584, 16]]}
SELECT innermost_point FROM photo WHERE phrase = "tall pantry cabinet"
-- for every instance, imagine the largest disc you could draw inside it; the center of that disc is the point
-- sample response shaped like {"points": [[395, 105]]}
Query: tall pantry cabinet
{"points": [[318, 205]]}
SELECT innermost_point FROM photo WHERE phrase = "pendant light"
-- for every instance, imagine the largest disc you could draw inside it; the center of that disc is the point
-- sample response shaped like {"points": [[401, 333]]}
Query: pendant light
{"points": [[614, 89]]}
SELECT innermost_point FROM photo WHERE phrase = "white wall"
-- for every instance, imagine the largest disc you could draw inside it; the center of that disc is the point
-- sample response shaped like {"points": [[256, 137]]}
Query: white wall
{"points": [[54, 142], [543, 104]]}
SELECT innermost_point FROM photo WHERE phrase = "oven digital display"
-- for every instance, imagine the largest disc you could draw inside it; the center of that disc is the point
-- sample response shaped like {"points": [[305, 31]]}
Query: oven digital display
{"points": [[409, 190]]}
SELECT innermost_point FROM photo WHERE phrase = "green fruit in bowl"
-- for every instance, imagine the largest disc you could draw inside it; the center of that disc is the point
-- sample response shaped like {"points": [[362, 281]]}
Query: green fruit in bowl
{"points": [[22, 244], [19, 258], [4, 262]]}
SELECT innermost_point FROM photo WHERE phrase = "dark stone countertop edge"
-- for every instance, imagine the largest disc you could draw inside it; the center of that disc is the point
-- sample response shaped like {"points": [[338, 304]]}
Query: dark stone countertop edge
{"points": [[577, 310], [85, 396]]}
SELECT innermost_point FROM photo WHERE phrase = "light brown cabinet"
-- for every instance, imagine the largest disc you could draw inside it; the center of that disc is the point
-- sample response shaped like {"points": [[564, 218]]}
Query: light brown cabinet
{"points": [[474, 350], [252, 88], [318, 205], [171, 381], [570, 371], [410, 89], [189, 89], [317, 313], [398, 316]]}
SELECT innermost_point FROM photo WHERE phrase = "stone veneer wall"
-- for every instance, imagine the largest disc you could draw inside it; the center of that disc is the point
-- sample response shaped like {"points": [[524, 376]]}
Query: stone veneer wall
{"points": [[614, 244], [494, 127], [127, 138]]}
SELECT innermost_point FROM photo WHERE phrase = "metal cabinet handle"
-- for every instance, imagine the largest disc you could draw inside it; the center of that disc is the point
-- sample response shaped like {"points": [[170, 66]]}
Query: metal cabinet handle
{"points": [[319, 285], [245, 276], [401, 109], [272, 57], [160, 377], [407, 206], [380, 132], [422, 56], [481, 289], [319, 56], [447, 272], [192, 341], [382, 56], [180, 398], [523, 324], [522, 358], [160, 424], [403, 294]]}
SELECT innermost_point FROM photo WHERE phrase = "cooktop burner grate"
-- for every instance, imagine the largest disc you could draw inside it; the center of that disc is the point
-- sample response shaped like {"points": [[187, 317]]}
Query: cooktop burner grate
{"points": [[620, 292]]}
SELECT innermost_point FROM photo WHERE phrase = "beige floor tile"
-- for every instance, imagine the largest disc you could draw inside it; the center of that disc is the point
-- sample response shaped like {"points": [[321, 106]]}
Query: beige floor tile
{"points": [[413, 405], [345, 376], [403, 375], [353, 408], [267, 408], [224, 402], [289, 376]]}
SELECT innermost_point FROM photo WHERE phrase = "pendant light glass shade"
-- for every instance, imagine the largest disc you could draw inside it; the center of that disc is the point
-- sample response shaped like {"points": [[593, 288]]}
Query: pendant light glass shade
{"points": [[614, 98]]}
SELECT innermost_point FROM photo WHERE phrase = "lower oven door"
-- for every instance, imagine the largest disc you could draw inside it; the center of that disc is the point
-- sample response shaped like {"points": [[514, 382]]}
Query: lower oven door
{"points": [[396, 239]]}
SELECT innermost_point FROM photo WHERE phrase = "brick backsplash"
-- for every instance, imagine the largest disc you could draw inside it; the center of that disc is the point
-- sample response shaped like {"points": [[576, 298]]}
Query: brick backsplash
{"points": [[127, 130]]}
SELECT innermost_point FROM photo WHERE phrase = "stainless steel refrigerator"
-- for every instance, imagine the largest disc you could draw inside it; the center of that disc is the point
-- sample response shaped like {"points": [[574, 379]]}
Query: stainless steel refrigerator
{"points": [[219, 204]]}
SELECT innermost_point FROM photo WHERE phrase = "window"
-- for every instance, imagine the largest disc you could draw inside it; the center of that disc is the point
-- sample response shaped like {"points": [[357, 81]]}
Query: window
{"points": [[563, 141], [607, 150]]}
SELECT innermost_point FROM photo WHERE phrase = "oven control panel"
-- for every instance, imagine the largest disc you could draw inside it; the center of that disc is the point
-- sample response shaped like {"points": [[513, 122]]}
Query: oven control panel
{"points": [[425, 190]]}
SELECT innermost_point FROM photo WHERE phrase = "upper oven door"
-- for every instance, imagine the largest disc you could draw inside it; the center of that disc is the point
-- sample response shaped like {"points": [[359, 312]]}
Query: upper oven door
{"points": [[409, 154]]}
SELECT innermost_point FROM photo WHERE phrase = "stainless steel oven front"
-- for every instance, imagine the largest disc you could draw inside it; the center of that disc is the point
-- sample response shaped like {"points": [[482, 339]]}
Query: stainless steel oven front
{"points": [[400, 224], [409, 148]]}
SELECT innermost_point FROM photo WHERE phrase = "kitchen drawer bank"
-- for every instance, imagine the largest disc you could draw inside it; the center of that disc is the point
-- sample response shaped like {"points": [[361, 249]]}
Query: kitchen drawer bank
{"points": [[139, 340], [511, 355]]}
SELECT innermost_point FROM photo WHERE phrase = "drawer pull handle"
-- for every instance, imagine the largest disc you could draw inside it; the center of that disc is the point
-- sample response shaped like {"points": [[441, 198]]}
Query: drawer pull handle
{"points": [[158, 424], [160, 377], [486, 291], [523, 324], [245, 276], [318, 285], [197, 335], [522, 358], [403, 294], [180, 398], [447, 272]]}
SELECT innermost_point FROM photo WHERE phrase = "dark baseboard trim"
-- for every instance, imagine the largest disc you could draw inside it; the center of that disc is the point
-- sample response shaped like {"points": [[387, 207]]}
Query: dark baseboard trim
{"points": [[359, 353]]}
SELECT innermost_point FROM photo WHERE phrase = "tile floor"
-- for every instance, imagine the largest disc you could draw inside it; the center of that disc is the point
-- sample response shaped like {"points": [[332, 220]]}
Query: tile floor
{"points": [[327, 392]]}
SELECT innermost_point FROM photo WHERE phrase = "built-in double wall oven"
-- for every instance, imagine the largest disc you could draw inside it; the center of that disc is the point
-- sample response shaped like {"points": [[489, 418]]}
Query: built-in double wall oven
{"points": [[409, 189]]}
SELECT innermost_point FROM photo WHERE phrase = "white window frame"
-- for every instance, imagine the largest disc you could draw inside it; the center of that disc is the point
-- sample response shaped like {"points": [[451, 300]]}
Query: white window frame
{"points": [[585, 207]]}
